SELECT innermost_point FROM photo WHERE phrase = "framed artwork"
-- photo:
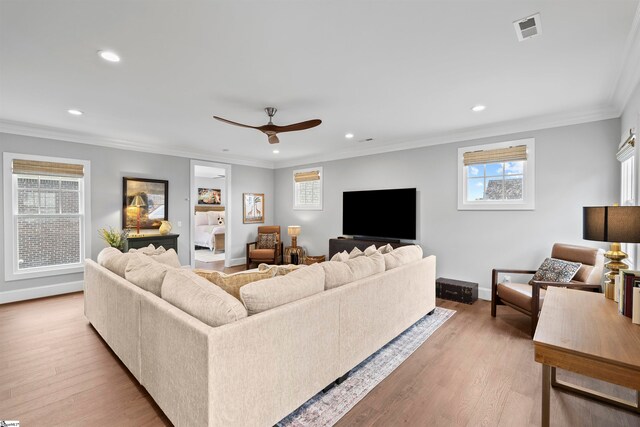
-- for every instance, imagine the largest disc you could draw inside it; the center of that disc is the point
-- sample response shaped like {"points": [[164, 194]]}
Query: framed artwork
{"points": [[209, 196], [253, 208], [153, 202]]}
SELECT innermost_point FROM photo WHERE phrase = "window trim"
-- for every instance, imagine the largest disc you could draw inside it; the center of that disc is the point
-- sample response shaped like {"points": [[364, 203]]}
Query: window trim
{"points": [[528, 190], [11, 271]]}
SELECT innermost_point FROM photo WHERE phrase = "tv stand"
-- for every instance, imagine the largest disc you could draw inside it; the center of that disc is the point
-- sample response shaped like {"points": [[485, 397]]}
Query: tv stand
{"points": [[339, 245]]}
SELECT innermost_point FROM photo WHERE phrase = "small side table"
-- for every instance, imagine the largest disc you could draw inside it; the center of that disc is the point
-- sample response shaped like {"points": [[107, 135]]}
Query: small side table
{"points": [[309, 259], [289, 250]]}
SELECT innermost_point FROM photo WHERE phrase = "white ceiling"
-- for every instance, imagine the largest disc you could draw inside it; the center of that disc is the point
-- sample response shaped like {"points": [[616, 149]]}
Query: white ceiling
{"points": [[404, 73]]}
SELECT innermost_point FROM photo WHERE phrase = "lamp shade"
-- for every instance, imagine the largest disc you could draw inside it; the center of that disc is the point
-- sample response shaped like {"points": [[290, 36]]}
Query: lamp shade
{"points": [[619, 224], [293, 230], [137, 201]]}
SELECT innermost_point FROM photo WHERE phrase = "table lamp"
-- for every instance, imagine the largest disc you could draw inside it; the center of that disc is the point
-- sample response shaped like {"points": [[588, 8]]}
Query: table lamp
{"points": [[294, 231], [614, 224], [138, 202]]}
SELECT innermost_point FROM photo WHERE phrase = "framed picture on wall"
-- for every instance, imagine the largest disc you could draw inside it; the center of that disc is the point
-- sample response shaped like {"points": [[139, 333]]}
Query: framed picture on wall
{"points": [[150, 197], [253, 208], [209, 196], [307, 189]]}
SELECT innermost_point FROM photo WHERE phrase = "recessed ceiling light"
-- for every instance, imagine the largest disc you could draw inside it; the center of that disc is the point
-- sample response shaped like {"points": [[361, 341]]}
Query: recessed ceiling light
{"points": [[478, 108], [74, 112], [108, 55], [348, 135], [276, 151]]}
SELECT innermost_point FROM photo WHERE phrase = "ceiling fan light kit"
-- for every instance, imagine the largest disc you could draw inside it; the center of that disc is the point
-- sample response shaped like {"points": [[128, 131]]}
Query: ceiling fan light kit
{"points": [[272, 130]]}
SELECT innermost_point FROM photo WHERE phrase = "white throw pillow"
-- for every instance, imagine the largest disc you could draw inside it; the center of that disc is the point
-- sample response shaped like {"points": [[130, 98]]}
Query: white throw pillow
{"points": [[145, 273], [202, 218], [340, 273], [213, 217], [169, 258], [340, 256], [114, 260], [149, 250], [370, 250], [355, 252], [270, 293], [385, 249], [196, 296], [401, 256]]}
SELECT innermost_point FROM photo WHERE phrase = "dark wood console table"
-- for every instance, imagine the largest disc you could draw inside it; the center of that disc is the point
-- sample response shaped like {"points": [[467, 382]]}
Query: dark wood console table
{"points": [[339, 245], [167, 241]]}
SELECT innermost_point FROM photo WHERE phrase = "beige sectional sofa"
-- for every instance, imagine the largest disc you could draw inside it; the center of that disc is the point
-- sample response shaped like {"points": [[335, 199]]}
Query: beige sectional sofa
{"points": [[255, 370]]}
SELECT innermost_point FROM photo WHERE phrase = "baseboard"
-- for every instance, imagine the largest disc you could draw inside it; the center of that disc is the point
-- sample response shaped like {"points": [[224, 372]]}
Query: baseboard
{"points": [[40, 292], [236, 261], [484, 293]]}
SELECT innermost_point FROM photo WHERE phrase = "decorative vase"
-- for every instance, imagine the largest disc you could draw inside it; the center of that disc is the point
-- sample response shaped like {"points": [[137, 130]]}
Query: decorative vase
{"points": [[165, 227]]}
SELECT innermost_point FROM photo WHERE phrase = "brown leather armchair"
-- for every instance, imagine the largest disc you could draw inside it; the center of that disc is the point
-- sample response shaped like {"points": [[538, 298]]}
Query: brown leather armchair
{"points": [[269, 256], [528, 299]]}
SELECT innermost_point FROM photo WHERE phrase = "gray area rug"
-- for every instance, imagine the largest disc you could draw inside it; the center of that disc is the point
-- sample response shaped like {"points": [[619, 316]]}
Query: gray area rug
{"points": [[325, 409]]}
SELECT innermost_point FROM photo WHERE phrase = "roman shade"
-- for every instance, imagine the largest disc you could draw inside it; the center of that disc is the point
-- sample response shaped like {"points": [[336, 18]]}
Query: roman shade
{"points": [[35, 167], [307, 176], [497, 155]]}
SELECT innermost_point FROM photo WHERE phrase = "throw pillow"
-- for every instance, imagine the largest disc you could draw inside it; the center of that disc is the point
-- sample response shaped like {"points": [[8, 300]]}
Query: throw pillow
{"points": [[202, 218], [271, 293], [169, 258], [370, 250], [194, 295], [341, 273], [340, 256], [355, 252], [556, 270], [266, 241], [281, 270], [150, 250], [145, 273], [114, 260], [212, 217], [401, 256], [232, 283], [385, 249]]}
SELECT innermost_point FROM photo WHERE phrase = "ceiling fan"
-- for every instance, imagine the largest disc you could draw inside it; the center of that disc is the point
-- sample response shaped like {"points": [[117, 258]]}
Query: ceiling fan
{"points": [[272, 130]]}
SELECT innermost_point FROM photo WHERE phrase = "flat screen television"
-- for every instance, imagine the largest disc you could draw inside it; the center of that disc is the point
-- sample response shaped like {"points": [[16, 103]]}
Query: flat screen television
{"points": [[384, 214]]}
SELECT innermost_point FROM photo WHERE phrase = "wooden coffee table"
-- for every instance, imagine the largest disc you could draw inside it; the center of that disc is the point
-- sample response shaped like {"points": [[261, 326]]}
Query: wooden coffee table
{"points": [[583, 332]]}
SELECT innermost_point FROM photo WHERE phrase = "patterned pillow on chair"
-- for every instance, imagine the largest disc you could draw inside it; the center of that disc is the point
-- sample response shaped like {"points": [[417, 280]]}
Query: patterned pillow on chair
{"points": [[266, 241], [556, 270]]}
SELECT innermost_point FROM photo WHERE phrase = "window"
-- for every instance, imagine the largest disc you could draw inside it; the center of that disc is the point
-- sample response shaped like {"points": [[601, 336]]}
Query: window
{"points": [[628, 187], [46, 201], [307, 189], [496, 176]]}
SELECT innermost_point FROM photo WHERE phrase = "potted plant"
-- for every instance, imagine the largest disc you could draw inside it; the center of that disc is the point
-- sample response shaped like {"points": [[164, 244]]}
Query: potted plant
{"points": [[114, 237]]}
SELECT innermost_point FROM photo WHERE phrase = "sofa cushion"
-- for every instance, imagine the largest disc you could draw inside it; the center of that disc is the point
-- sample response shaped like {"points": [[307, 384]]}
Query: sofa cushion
{"points": [[339, 273], [355, 252], [149, 250], [370, 250], [265, 254], [169, 258], [556, 270], [401, 256], [281, 270], [340, 256], [195, 295], [114, 260], [232, 283], [144, 272], [518, 294], [385, 249], [274, 292]]}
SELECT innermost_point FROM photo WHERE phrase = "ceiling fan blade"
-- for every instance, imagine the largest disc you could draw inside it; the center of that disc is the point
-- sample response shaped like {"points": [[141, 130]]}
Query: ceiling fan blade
{"points": [[273, 139], [234, 123], [290, 128]]}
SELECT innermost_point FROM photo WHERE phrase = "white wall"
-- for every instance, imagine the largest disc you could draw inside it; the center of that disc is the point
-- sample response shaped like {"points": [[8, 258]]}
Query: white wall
{"points": [[245, 179], [575, 167]]}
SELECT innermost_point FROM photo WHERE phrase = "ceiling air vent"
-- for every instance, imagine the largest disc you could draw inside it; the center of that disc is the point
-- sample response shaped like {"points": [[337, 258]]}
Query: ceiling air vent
{"points": [[528, 27]]}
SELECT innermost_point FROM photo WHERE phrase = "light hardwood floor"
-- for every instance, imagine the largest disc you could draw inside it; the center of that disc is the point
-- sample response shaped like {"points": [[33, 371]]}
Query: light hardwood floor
{"points": [[474, 370]]}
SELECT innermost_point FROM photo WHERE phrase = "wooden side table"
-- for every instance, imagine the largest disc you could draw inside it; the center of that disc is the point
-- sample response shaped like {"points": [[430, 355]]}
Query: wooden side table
{"points": [[298, 250]]}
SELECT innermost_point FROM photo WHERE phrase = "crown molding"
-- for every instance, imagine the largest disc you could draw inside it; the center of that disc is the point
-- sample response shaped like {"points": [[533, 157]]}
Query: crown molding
{"points": [[498, 129], [40, 131], [629, 76]]}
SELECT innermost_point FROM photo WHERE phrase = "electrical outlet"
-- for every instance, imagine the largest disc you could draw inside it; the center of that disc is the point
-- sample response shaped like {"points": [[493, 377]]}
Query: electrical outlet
{"points": [[179, 223], [507, 279]]}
